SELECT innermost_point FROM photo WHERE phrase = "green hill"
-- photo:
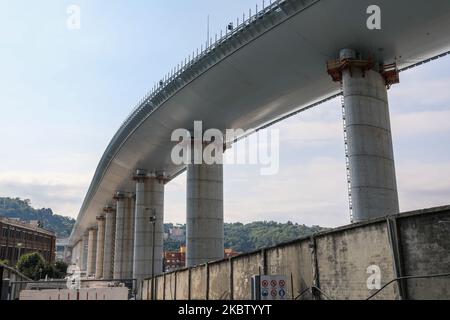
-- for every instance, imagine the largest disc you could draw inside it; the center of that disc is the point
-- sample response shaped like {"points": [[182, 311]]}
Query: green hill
{"points": [[262, 234], [253, 236], [18, 208], [238, 236]]}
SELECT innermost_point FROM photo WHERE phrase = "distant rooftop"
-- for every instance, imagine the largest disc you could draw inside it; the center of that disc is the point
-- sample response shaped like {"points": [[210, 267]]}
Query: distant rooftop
{"points": [[32, 225]]}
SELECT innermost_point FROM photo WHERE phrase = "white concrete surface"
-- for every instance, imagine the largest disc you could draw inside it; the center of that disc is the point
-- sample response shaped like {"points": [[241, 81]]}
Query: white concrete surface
{"points": [[100, 247], [371, 156]]}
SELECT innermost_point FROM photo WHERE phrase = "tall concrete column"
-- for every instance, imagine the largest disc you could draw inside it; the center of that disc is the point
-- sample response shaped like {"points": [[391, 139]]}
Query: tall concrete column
{"points": [[128, 238], [119, 249], [149, 202], [204, 225], [92, 252], [371, 157], [100, 247], [84, 251], [110, 230], [78, 253]]}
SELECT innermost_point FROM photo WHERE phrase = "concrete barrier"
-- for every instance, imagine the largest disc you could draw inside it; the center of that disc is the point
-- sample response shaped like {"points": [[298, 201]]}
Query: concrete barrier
{"points": [[117, 293], [336, 264]]}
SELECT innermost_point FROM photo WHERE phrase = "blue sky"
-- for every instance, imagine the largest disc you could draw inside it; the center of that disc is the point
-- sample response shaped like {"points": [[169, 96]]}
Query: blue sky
{"points": [[64, 94]]}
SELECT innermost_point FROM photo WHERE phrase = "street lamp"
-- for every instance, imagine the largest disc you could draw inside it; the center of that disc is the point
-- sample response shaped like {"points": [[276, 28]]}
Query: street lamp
{"points": [[19, 245], [153, 222]]}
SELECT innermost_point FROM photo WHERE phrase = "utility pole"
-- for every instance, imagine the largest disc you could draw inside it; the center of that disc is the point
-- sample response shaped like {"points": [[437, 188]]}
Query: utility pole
{"points": [[153, 222]]}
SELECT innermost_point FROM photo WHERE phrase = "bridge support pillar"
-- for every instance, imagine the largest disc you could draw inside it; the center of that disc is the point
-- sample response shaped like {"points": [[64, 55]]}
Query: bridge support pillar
{"points": [[84, 251], [100, 247], [92, 252], [370, 151], [110, 230], [148, 228], [119, 236], [128, 238], [204, 225]]}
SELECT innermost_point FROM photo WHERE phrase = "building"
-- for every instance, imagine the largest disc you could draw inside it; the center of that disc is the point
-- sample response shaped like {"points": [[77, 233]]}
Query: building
{"points": [[230, 253], [18, 238], [174, 260], [177, 233]]}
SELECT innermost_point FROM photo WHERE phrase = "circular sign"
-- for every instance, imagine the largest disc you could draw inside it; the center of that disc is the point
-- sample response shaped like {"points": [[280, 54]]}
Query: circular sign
{"points": [[273, 293], [265, 283], [273, 283], [282, 283], [282, 293], [265, 293]]}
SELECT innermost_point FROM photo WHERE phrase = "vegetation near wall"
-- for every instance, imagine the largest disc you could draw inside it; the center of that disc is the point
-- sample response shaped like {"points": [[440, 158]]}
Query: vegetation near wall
{"points": [[34, 266]]}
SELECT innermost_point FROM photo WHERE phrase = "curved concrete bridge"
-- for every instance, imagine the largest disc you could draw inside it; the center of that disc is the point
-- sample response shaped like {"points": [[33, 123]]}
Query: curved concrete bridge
{"points": [[272, 64]]}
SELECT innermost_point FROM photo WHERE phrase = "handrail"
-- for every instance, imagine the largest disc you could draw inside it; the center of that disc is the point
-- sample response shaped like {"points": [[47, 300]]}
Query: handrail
{"points": [[17, 272]]}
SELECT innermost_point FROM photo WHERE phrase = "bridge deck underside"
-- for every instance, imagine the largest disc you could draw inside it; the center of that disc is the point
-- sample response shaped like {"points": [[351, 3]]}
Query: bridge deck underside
{"points": [[273, 73]]}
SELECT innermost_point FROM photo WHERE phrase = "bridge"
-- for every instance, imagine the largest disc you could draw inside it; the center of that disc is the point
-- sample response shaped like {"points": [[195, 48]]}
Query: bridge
{"points": [[278, 61]]}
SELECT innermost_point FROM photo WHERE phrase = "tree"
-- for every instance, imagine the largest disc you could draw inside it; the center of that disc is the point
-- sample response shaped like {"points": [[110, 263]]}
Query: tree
{"points": [[32, 265], [60, 269], [5, 262]]}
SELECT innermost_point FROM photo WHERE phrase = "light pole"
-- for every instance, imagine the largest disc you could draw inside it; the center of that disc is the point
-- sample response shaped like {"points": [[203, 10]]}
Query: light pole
{"points": [[153, 222], [19, 245]]}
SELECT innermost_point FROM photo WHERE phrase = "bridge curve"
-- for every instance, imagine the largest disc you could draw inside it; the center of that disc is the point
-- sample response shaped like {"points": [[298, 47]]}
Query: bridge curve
{"points": [[272, 64]]}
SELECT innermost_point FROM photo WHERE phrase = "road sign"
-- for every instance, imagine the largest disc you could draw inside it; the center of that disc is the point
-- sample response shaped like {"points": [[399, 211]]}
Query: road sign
{"points": [[273, 287]]}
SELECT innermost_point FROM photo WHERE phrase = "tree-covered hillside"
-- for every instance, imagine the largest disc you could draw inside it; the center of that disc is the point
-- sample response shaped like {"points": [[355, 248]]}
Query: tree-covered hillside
{"points": [[257, 235], [253, 236], [238, 236], [18, 208]]}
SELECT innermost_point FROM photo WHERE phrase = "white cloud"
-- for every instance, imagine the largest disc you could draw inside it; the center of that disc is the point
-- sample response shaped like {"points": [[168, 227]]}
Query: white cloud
{"points": [[420, 123], [62, 192], [420, 90], [310, 193], [423, 185]]}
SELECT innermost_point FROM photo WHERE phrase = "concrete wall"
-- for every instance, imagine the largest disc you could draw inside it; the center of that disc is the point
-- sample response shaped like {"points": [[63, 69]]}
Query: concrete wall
{"points": [[243, 269], [182, 284], [294, 261], [343, 260], [338, 262], [425, 249], [198, 283], [219, 280], [170, 286]]}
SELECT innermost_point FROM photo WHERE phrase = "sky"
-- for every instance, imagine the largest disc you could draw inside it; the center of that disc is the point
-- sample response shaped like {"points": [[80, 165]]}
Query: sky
{"points": [[64, 93]]}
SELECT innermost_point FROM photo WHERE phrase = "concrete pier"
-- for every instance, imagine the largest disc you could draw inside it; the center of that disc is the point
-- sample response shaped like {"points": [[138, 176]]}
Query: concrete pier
{"points": [[84, 251], [149, 203], [370, 151], [92, 252], [110, 230], [119, 236], [128, 238], [100, 247], [204, 225]]}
